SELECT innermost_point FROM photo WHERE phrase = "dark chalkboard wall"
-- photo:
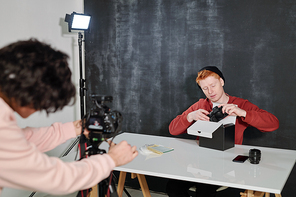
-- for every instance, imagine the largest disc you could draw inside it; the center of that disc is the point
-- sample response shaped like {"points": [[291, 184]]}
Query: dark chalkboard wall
{"points": [[146, 55]]}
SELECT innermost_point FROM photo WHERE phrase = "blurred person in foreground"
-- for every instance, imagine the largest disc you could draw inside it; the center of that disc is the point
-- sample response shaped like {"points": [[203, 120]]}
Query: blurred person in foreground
{"points": [[36, 77]]}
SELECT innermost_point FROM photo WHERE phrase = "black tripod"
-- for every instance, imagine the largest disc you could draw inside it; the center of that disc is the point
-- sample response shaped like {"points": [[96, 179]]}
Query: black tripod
{"points": [[107, 186]]}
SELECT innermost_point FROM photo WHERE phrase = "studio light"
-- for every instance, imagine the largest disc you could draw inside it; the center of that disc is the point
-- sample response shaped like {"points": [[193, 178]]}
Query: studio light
{"points": [[80, 22], [77, 21]]}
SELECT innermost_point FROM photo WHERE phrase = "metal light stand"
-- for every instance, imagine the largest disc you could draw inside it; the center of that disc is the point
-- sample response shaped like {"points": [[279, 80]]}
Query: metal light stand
{"points": [[82, 89]]}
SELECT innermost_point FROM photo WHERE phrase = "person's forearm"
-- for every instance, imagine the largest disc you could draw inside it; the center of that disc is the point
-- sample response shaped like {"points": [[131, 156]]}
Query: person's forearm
{"points": [[179, 125], [47, 138], [262, 120]]}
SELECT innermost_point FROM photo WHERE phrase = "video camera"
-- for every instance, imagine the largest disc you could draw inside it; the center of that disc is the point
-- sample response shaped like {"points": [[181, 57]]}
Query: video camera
{"points": [[102, 123]]}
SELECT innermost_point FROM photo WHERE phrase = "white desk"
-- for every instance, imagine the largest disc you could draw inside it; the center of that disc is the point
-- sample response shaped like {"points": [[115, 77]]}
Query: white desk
{"points": [[190, 162]]}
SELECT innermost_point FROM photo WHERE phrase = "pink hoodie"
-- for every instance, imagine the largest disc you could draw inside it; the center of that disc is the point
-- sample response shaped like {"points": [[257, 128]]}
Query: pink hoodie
{"points": [[23, 164]]}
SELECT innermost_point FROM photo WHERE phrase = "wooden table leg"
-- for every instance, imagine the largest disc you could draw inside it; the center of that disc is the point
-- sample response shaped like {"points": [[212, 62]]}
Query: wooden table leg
{"points": [[250, 193], [141, 179], [133, 175], [94, 191], [144, 185], [243, 193], [121, 182], [259, 194]]}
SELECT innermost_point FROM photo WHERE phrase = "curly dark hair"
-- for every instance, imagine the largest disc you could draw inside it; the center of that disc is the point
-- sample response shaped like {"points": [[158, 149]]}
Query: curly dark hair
{"points": [[36, 75]]}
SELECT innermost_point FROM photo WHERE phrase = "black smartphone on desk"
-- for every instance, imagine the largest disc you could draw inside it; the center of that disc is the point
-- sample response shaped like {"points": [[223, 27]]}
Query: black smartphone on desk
{"points": [[240, 158]]}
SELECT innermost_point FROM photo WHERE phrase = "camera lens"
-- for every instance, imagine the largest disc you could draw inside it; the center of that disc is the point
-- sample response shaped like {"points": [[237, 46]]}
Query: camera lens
{"points": [[254, 156]]}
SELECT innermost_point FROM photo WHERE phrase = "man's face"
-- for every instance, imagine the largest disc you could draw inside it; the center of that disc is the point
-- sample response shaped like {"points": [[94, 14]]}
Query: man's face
{"points": [[213, 88], [24, 112]]}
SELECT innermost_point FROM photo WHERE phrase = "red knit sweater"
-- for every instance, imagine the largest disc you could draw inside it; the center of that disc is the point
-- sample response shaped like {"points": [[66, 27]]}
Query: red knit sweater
{"points": [[256, 117]]}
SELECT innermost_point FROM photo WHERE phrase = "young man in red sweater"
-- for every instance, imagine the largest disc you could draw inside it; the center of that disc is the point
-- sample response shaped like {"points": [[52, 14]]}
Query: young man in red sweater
{"points": [[211, 81]]}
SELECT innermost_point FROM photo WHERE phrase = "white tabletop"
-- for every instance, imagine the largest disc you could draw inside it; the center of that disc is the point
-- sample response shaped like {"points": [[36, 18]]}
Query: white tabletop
{"points": [[190, 162]]}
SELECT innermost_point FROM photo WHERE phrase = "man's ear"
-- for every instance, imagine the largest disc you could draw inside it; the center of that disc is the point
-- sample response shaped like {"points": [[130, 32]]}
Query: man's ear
{"points": [[221, 81]]}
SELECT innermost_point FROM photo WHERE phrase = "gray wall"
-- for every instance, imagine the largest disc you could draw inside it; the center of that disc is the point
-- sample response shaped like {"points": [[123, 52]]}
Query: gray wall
{"points": [[146, 55]]}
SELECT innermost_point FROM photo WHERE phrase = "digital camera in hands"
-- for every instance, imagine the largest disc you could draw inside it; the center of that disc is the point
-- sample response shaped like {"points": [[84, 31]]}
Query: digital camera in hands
{"points": [[216, 114]]}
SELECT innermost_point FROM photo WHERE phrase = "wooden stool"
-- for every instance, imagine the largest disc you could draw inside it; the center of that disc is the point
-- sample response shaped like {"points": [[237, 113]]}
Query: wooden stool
{"points": [[250, 193]]}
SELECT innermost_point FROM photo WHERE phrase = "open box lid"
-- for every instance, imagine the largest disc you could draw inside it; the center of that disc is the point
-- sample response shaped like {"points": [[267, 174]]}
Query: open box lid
{"points": [[207, 128]]}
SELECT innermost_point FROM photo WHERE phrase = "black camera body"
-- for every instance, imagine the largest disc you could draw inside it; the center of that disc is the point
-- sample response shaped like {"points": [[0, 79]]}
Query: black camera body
{"points": [[216, 114], [102, 123]]}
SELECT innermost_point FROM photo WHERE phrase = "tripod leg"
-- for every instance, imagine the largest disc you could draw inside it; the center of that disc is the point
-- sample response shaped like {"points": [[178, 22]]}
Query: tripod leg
{"points": [[103, 187]]}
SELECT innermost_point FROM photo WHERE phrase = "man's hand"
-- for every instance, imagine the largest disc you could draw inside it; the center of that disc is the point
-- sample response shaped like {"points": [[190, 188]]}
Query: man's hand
{"points": [[78, 127], [199, 114], [233, 110], [122, 153]]}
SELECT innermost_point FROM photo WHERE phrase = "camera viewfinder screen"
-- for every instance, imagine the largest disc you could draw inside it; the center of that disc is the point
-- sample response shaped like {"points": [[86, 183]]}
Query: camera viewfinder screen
{"points": [[95, 124]]}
